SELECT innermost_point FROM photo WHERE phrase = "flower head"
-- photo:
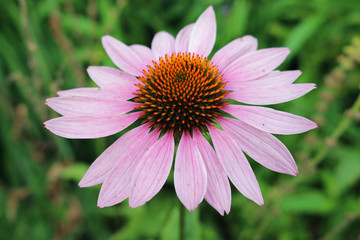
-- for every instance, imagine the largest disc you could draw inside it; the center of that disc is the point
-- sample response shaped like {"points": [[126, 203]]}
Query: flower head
{"points": [[181, 97]]}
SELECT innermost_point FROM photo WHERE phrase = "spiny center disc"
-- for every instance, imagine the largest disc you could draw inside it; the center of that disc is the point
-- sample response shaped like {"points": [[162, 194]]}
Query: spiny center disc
{"points": [[182, 92]]}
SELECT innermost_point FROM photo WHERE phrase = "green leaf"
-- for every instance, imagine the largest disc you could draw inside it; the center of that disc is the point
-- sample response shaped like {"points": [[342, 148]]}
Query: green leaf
{"points": [[310, 202], [303, 33]]}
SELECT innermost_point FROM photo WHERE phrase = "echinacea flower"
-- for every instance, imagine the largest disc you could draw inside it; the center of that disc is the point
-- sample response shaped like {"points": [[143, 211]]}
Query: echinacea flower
{"points": [[181, 97]]}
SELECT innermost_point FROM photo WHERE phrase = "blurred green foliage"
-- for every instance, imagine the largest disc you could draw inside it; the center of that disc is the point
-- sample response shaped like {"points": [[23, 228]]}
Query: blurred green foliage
{"points": [[47, 45]]}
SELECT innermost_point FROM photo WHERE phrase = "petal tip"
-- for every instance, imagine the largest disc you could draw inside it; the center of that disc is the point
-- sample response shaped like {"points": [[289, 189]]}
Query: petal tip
{"points": [[106, 37], [190, 206], [210, 8], [103, 202], [100, 205], [90, 69], [294, 173], [286, 50], [135, 203], [258, 198], [105, 40], [83, 183]]}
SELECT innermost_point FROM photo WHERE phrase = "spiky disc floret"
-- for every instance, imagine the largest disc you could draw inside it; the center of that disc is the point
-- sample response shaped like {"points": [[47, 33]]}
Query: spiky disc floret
{"points": [[181, 93]]}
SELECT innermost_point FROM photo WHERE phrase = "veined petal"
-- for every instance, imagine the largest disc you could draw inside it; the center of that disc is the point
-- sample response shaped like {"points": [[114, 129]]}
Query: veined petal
{"points": [[83, 92], [236, 165], [102, 166], [270, 120], [274, 78], [117, 185], [183, 38], [163, 43], [123, 56], [189, 174], [218, 193], [261, 146], [99, 93], [86, 106], [233, 50], [108, 77], [255, 64], [147, 56], [90, 127], [152, 171], [271, 94], [203, 35]]}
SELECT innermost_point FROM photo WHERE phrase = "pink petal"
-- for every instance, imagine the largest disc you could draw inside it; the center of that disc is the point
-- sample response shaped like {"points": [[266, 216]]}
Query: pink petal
{"points": [[274, 78], [123, 56], [183, 38], [272, 94], [102, 166], [90, 127], [107, 77], [255, 64], [236, 165], [189, 174], [203, 35], [117, 185], [152, 171], [82, 92], [147, 56], [218, 193], [233, 50], [100, 93], [270, 120], [261, 146], [86, 106], [120, 94], [163, 43]]}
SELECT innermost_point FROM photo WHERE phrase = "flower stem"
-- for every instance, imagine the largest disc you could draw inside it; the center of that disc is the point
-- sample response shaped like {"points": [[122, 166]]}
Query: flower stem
{"points": [[337, 133], [182, 221]]}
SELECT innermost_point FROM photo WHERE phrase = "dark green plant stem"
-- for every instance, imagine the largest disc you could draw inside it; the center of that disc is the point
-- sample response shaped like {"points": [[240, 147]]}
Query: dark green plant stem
{"points": [[182, 221]]}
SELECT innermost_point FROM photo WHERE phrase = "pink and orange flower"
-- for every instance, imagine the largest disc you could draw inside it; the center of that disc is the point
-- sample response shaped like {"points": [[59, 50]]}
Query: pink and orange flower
{"points": [[181, 98]]}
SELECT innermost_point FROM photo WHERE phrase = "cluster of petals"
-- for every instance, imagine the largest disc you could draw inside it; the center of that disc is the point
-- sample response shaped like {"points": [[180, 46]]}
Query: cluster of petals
{"points": [[137, 165]]}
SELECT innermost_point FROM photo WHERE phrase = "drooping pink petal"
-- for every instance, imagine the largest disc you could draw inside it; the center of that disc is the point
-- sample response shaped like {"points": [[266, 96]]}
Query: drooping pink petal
{"points": [[274, 78], [102, 166], [87, 106], [203, 35], [119, 94], [123, 56], [147, 56], [270, 120], [117, 185], [163, 43], [255, 64], [218, 193], [236, 165], [82, 92], [261, 146], [272, 94], [233, 50], [189, 174], [108, 77], [152, 171], [183, 38], [90, 127]]}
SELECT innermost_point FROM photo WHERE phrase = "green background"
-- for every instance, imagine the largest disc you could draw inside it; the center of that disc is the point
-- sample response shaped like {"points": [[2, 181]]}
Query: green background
{"points": [[46, 46]]}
